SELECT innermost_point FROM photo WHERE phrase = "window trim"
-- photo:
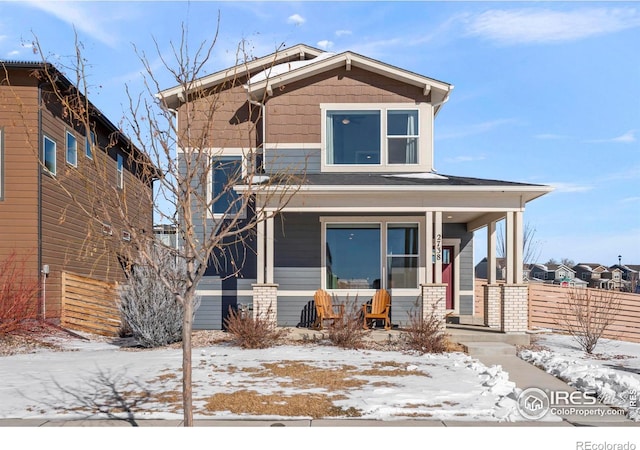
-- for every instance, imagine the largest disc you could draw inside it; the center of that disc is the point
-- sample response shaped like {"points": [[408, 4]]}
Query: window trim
{"points": [[425, 137], [68, 135], [120, 171], [89, 143], [243, 165], [383, 222], [46, 138]]}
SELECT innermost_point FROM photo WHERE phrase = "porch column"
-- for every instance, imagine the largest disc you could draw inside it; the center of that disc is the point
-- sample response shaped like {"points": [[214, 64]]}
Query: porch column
{"points": [[269, 263], [260, 250], [515, 294], [265, 302], [492, 292], [508, 235], [434, 302], [429, 247], [518, 242], [438, 246]]}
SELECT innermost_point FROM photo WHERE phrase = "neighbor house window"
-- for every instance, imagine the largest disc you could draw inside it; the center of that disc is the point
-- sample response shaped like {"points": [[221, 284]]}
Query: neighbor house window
{"points": [[227, 171], [376, 136], [72, 150], [353, 256], [120, 171], [402, 255], [89, 142], [49, 154]]}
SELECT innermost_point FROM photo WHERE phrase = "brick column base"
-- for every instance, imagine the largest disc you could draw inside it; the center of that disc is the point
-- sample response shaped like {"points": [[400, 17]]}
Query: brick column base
{"points": [[434, 301], [515, 308], [265, 302], [492, 306]]}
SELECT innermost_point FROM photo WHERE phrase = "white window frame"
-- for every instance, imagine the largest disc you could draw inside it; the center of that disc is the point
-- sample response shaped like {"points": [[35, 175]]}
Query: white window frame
{"points": [[69, 135], [231, 152], [89, 144], [383, 222], [46, 138], [425, 137], [120, 171]]}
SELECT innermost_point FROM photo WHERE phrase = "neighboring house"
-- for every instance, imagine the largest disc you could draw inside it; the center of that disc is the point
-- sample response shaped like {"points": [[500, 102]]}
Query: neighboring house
{"points": [[556, 274], [45, 159], [372, 211], [630, 277], [166, 234], [596, 275]]}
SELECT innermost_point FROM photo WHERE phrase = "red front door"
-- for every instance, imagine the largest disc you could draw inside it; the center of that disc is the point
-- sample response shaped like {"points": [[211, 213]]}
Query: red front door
{"points": [[447, 274]]}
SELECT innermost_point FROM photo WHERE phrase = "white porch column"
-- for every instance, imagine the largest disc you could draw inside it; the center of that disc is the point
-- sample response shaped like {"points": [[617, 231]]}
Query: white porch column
{"points": [[260, 250], [429, 247], [269, 263], [518, 243], [508, 234], [438, 244], [491, 253]]}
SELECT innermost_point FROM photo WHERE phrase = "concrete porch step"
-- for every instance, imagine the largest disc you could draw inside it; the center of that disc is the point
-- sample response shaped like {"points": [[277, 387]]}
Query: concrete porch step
{"points": [[488, 348]]}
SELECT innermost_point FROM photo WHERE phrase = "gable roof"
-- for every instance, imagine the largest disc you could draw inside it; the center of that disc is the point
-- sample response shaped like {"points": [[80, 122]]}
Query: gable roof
{"points": [[300, 62]]}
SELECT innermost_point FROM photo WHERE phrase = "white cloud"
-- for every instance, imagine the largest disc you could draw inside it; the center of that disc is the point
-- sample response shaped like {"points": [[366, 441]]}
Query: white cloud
{"points": [[626, 138], [551, 136], [525, 26], [296, 19], [325, 44], [478, 128], [630, 200], [84, 17], [562, 187], [465, 158], [341, 33]]}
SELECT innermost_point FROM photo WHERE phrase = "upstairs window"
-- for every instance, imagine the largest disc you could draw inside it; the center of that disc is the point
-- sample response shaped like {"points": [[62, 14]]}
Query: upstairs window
{"points": [[120, 171], [72, 150], [372, 136], [227, 171], [49, 155], [90, 141]]}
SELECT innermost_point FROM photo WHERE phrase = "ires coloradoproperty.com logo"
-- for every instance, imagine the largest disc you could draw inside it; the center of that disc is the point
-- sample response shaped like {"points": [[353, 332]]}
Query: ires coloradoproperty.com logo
{"points": [[535, 403]]}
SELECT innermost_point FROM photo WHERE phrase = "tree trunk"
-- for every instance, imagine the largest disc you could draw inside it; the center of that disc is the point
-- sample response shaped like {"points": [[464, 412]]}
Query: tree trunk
{"points": [[187, 394]]}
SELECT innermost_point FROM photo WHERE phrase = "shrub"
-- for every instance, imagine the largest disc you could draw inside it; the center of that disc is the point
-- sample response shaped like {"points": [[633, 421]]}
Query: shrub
{"points": [[18, 293], [348, 332], [149, 308], [425, 334], [586, 315], [253, 332]]}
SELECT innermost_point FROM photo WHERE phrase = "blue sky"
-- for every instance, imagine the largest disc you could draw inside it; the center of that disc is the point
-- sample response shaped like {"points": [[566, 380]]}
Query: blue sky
{"points": [[545, 92]]}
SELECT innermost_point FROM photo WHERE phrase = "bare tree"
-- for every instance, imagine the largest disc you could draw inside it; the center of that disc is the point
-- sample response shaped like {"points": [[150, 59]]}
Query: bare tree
{"points": [[586, 314], [179, 155], [531, 247]]}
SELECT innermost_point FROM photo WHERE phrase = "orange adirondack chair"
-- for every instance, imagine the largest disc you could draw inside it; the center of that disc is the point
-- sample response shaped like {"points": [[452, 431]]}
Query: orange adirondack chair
{"points": [[325, 309], [378, 309]]}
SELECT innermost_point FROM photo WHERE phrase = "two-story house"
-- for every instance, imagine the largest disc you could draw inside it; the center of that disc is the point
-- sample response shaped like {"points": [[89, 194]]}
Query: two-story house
{"points": [[556, 274], [371, 210], [53, 211], [596, 275]]}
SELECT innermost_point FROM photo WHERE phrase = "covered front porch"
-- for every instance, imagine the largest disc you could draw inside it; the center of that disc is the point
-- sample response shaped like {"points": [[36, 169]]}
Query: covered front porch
{"points": [[417, 242]]}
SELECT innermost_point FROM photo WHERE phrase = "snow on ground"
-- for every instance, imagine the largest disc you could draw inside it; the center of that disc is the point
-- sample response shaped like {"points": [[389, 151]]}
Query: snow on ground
{"points": [[98, 380], [612, 371]]}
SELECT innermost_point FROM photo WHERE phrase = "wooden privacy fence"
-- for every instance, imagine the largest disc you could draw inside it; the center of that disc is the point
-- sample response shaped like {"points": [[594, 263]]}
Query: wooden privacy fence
{"points": [[547, 303], [89, 305]]}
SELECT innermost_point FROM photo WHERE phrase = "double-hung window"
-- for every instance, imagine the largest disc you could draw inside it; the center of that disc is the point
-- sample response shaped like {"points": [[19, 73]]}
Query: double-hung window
{"points": [[371, 136], [226, 171], [49, 154], [402, 255], [72, 150]]}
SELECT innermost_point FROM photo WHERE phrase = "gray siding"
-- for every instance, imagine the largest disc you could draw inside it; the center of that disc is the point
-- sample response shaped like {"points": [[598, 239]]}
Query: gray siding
{"points": [[209, 314], [297, 161], [297, 278], [296, 311], [459, 231], [466, 305], [297, 240]]}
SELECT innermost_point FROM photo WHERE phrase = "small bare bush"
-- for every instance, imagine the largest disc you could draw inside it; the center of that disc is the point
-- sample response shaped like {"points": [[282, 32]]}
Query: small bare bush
{"points": [[18, 293], [425, 334], [586, 315], [348, 332], [148, 307], [253, 332]]}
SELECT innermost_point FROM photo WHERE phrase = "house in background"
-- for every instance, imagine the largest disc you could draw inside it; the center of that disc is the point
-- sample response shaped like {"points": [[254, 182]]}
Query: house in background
{"points": [[596, 275], [555, 274], [630, 277], [45, 159], [371, 210]]}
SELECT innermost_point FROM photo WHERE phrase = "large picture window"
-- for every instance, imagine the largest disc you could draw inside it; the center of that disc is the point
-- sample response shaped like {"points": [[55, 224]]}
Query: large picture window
{"points": [[353, 256], [372, 137], [227, 170], [49, 154]]}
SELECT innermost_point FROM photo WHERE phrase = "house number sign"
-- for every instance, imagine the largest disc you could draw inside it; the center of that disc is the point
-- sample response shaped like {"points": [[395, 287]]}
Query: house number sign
{"points": [[438, 247]]}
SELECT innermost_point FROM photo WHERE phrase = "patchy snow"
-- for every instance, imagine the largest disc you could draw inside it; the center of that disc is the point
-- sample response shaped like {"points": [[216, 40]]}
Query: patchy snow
{"points": [[283, 68], [82, 383], [612, 371]]}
